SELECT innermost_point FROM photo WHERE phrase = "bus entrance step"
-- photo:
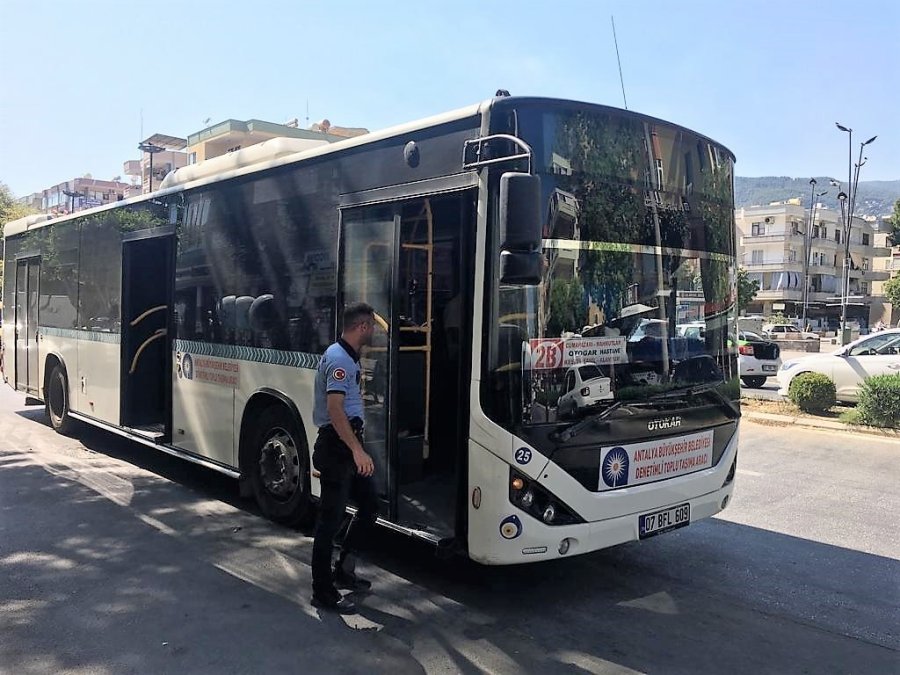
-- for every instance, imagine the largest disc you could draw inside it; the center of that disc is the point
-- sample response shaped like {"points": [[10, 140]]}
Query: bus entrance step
{"points": [[152, 432]]}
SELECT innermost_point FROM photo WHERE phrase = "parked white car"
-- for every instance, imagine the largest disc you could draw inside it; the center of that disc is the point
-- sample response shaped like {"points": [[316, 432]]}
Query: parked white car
{"points": [[585, 386], [786, 331], [877, 354], [758, 359]]}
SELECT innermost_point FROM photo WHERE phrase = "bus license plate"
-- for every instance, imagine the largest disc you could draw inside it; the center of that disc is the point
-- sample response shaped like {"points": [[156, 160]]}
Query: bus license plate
{"points": [[662, 521]]}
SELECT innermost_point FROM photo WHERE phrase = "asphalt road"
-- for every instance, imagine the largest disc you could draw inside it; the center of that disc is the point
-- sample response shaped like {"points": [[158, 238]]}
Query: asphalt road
{"points": [[117, 559]]}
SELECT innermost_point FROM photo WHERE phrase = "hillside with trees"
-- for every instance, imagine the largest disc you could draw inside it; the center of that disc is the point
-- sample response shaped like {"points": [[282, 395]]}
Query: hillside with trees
{"points": [[876, 197]]}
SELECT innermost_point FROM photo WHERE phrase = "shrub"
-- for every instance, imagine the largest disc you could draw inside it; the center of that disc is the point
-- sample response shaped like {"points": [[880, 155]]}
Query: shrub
{"points": [[812, 392], [851, 417], [879, 401]]}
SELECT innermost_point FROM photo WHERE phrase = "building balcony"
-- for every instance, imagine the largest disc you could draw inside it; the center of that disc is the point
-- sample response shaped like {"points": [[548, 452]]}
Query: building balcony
{"points": [[753, 239], [781, 294], [772, 266]]}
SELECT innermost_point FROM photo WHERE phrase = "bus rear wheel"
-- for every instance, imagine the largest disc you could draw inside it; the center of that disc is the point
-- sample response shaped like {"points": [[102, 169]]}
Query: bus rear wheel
{"points": [[278, 467], [754, 382], [56, 403]]}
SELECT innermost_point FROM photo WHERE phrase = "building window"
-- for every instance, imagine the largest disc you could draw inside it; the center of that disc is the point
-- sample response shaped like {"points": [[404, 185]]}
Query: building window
{"points": [[837, 236], [795, 228], [865, 265], [192, 158], [791, 256], [756, 257], [757, 229], [865, 239], [864, 287]]}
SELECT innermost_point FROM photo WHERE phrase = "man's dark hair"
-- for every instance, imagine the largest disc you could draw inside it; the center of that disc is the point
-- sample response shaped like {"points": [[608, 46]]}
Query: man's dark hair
{"points": [[357, 312]]}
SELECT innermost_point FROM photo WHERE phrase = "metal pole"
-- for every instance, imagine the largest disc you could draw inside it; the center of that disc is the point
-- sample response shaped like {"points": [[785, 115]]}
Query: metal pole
{"points": [[807, 245], [151, 172], [846, 281]]}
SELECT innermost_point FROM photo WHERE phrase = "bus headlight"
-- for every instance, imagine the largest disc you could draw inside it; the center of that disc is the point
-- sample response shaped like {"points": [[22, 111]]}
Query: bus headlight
{"points": [[538, 502], [549, 514]]}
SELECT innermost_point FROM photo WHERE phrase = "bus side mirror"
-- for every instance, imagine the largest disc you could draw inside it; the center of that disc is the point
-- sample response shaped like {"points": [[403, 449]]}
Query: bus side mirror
{"points": [[521, 260], [520, 212], [521, 269]]}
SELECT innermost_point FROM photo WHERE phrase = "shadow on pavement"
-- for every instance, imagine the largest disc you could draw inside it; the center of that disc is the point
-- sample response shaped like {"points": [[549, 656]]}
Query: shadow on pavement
{"points": [[129, 561]]}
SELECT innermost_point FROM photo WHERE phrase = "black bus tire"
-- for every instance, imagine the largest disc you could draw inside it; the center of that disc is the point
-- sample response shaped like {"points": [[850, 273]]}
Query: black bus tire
{"points": [[277, 465], [56, 403], [754, 382]]}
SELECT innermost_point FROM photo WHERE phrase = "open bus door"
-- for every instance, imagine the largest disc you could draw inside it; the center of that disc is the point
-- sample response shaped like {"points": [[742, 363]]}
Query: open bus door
{"points": [[28, 272], [406, 260], [147, 288]]}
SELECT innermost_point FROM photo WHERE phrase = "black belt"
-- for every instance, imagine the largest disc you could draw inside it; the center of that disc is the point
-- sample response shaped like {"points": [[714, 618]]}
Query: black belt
{"points": [[356, 424]]}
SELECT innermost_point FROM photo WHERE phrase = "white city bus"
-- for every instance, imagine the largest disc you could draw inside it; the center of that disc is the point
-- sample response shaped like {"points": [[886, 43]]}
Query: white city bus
{"points": [[514, 250]]}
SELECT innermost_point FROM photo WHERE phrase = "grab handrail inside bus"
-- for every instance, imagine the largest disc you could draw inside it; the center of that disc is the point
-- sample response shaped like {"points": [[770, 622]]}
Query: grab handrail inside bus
{"points": [[146, 314]]}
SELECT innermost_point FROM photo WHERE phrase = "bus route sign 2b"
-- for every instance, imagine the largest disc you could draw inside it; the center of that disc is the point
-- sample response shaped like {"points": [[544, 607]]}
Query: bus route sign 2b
{"points": [[548, 354]]}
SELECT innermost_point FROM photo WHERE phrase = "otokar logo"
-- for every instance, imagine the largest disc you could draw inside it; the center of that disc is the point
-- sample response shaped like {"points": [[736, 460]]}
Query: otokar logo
{"points": [[664, 423]]}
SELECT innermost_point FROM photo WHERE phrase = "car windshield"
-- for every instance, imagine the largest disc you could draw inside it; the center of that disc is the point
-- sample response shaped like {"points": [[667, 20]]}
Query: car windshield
{"points": [[589, 372], [638, 242], [747, 335]]}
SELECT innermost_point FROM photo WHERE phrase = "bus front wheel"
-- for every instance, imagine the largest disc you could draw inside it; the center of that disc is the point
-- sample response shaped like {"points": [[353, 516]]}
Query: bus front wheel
{"points": [[278, 467], [56, 403]]}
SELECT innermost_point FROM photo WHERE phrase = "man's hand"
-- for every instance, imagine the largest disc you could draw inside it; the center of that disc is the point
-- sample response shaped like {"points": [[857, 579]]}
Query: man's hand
{"points": [[364, 464]]}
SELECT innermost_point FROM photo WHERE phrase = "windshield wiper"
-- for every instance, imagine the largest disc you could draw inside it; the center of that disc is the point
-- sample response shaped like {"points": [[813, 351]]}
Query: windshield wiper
{"points": [[573, 430], [692, 390], [688, 391]]}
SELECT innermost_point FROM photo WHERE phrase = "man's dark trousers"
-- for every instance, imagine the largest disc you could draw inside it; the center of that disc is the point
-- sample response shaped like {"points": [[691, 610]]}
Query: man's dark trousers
{"points": [[340, 482]]}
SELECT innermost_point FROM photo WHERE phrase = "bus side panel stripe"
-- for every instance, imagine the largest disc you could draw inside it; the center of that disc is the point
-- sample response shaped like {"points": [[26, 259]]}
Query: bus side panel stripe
{"points": [[275, 357]]}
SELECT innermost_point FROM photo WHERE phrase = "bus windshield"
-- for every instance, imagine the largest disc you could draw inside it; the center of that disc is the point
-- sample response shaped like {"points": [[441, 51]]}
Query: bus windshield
{"points": [[638, 247]]}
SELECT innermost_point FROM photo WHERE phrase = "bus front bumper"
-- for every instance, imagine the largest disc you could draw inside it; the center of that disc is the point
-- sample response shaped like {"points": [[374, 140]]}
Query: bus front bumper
{"points": [[526, 539]]}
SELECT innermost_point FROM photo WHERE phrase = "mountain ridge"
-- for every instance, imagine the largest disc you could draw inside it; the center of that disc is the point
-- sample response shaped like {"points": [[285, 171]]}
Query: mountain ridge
{"points": [[875, 197]]}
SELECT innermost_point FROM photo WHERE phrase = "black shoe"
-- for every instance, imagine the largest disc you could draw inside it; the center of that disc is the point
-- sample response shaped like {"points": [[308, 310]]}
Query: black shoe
{"points": [[334, 603], [349, 581]]}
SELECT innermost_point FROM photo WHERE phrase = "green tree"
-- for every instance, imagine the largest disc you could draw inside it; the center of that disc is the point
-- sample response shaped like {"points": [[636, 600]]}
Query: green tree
{"points": [[10, 209], [747, 288], [895, 224], [892, 291]]}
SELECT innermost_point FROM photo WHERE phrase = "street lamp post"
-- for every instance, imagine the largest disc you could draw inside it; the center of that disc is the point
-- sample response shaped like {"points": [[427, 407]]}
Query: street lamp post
{"points": [[847, 216], [151, 149], [807, 243], [71, 194]]}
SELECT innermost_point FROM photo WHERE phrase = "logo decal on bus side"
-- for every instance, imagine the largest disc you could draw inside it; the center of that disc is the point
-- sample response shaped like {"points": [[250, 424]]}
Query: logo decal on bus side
{"points": [[523, 455], [615, 468], [187, 367]]}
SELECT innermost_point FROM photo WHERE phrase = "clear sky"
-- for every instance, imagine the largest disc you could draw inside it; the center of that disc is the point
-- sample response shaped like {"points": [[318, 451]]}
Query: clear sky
{"points": [[766, 78]]}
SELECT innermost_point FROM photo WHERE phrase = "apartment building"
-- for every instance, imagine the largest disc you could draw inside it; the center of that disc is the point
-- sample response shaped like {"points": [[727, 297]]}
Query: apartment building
{"points": [[772, 249], [168, 154], [75, 195], [889, 265]]}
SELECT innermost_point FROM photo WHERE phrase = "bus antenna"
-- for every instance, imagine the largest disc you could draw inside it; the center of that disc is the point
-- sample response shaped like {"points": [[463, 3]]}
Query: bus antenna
{"points": [[619, 60]]}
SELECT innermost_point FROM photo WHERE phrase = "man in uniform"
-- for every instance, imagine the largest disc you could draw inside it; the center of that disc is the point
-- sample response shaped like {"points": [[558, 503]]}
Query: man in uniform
{"points": [[345, 467]]}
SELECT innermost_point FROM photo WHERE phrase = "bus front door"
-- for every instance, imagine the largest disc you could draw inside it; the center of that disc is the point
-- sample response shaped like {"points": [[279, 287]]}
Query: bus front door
{"points": [[406, 260], [146, 344], [28, 274]]}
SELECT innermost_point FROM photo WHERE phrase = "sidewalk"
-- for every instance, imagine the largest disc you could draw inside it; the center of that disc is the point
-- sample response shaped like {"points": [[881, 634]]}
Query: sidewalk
{"points": [[814, 423]]}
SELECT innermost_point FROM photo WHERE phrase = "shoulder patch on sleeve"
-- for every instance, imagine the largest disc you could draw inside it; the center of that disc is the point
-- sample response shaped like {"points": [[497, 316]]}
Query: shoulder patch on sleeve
{"points": [[339, 374]]}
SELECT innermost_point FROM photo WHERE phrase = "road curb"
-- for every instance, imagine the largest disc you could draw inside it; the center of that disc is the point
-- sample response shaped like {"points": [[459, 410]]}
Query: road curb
{"points": [[828, 425]]}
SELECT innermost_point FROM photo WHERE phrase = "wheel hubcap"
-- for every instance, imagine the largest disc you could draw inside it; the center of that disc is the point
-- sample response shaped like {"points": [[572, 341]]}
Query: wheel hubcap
{"points": [[279, 465]]}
